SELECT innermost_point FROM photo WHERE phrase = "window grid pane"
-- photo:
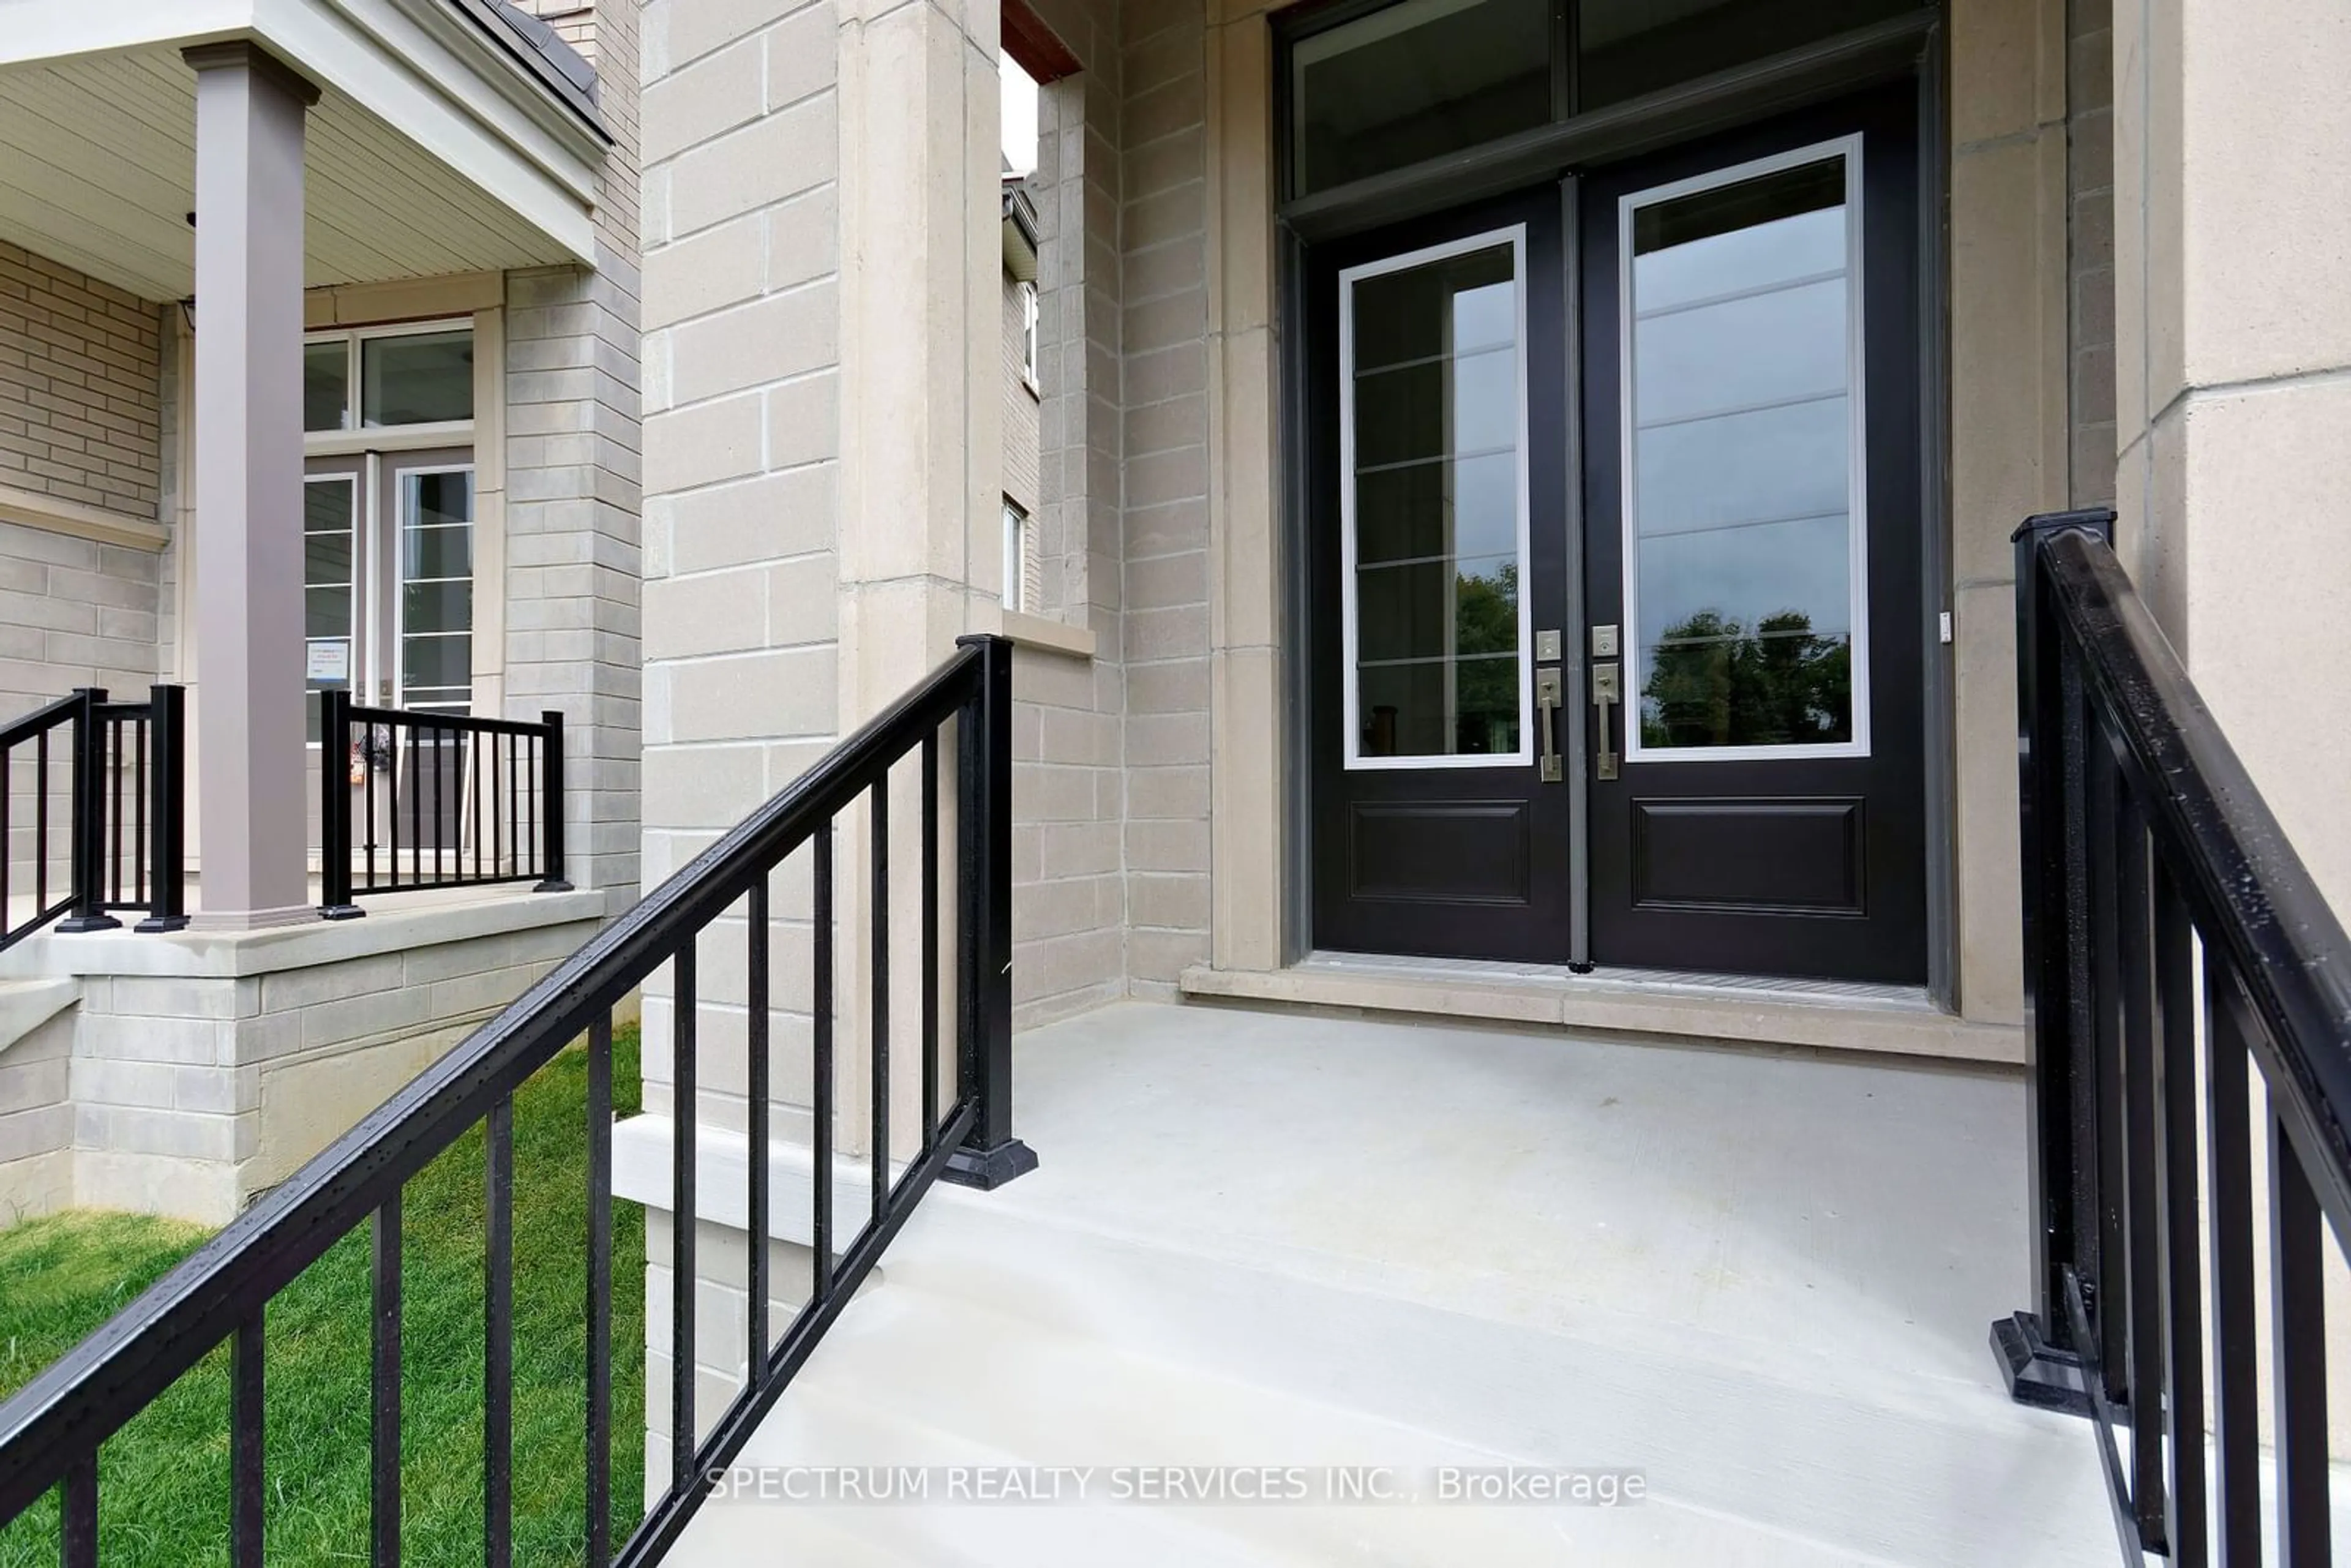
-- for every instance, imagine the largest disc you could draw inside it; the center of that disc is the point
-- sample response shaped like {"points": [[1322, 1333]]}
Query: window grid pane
{"points": [[1434, 512]]}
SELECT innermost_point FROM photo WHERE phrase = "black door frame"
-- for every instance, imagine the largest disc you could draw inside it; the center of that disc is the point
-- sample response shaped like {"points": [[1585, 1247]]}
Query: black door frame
{"points": [[1909, 47]]}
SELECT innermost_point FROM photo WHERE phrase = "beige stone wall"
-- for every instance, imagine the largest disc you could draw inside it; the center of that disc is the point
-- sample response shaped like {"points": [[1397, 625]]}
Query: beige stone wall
{"points": [[2090, 181], [2010, 441], [572, 486], [1070, 857]]}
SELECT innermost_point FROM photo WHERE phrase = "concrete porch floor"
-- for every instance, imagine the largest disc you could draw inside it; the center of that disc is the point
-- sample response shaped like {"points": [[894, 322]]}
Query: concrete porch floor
{"points": [[1763, 1279]]}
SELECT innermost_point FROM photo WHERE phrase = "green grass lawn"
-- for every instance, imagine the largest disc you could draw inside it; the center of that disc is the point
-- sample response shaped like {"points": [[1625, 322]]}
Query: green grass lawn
{"points": [[163, 1479]]}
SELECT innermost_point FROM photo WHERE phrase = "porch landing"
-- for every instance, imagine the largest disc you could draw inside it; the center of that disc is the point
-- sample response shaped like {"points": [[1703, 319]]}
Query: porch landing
{"points": [[1762, 1278]]}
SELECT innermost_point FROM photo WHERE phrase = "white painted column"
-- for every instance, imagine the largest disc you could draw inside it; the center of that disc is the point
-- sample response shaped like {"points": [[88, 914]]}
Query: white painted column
{"points": [[251, 773]]}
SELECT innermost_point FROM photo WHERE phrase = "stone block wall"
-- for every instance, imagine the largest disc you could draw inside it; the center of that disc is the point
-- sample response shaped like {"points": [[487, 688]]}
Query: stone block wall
{"points": [[573, 478], [1068, 900], [205, 1070]]}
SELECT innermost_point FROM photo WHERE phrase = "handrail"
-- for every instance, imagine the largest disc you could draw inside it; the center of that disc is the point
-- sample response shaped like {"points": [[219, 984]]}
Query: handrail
{"points": [[122, 810], [483, 804], [2143, 835], [2287, 945], [52, 1426]]}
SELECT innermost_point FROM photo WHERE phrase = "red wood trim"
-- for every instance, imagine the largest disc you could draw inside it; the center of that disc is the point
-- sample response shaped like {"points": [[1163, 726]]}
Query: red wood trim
{"points": [[1033, 47]]}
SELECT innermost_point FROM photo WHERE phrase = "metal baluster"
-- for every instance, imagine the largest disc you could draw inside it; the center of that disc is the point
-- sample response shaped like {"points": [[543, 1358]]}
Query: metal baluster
{"points": [[929, 970], [498, 1341], [2298, 1351], [246, 1444], [140, 892], [391, 807], [599, 1291], [756, 1003], [474, 795], [2235, 1396], [415, 804], [821, 1088], [7, 836], [77, 1526], [2143, 1305], [2109, 1317], [682, 1173], [878, 826], [383, 1389], [2183, 1325], [367, 788], [41, 825]]}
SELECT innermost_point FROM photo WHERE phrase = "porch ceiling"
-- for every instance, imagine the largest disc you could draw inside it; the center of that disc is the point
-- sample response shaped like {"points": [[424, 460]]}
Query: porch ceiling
{"points": [[97, 172]]}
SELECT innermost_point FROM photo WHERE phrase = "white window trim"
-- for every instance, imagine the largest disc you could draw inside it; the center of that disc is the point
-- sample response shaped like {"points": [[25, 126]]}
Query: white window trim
{"points": [[360, 438], [1029, 309], [1014, 594], [1516, 235], [397, 581], [1858, 454]]}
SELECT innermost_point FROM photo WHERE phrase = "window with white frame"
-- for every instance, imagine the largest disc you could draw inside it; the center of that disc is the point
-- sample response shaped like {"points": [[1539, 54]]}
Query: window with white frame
{"points": [[1019, 559], [387, 570], [1028, 335]]}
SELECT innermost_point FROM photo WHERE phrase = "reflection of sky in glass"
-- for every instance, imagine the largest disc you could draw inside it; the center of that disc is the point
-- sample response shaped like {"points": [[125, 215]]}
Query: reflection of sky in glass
{"points": [[1437, 532], [1742, 457]]}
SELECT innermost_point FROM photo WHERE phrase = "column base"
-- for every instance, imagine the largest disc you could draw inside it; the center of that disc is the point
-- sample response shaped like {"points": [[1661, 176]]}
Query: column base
{"points": [[72, 924], [254, 919], [2037, 1373], [988, 1169]]}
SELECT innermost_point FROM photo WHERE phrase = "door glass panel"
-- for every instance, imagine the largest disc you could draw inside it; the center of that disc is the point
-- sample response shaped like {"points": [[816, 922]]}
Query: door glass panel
{"points": [[1434, 505], [436, 589], [1627, 47], [1743, 537], [1414, 80], [418, 378], [328, 507]]}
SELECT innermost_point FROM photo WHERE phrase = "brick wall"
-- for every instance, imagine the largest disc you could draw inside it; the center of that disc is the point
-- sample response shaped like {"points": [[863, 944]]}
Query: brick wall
{"points": [[81, 422], [1020, 405], [80, 413]]}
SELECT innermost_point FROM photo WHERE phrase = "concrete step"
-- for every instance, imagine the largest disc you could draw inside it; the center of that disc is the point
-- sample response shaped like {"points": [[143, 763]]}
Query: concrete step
{"points": [[1787, 1440], [26, 1004], [909, 1376]]}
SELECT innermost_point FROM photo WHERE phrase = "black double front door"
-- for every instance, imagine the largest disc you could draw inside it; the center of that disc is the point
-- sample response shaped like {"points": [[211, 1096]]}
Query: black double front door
{"points": [[1615, 534]]}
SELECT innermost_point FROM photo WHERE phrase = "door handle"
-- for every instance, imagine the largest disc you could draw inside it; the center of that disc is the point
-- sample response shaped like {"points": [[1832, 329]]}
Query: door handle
{"points": [[1608, 691], [1549, 695]]}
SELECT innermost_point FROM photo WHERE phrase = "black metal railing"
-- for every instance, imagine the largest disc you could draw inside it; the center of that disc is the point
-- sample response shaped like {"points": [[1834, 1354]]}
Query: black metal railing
{"points": [[2151, 863], [51, 1430], [412, 799], [92, 814]]}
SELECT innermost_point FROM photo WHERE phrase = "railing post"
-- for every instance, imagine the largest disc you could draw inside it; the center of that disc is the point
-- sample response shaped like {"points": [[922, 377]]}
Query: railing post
{"points": [[990, 1155], [550, 806], [89, 912], [167, 797], [2032, 1346], [335, 805]]}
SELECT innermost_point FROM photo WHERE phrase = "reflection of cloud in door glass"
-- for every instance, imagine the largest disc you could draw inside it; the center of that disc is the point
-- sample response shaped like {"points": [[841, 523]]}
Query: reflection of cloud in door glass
{"points": [[1765, 253], [1484, 316]]}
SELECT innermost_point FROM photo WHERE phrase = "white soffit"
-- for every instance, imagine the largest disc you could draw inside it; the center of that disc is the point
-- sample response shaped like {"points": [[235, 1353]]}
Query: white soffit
{"points": [[97, 148]]}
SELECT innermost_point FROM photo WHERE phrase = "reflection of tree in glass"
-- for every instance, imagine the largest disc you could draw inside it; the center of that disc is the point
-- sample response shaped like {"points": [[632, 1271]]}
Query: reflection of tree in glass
{"points": [[1486, 690], [1714, 682]]}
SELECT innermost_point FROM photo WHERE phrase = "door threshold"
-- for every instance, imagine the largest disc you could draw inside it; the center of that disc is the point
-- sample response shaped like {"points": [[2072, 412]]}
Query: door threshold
{"points": [[1818, 1014], [1676, 981]]}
